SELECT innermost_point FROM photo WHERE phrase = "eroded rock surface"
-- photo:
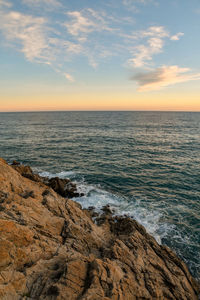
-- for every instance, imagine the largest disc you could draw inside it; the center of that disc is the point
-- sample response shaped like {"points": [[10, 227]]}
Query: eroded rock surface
{"points": [[51, 249], [64, 187]]}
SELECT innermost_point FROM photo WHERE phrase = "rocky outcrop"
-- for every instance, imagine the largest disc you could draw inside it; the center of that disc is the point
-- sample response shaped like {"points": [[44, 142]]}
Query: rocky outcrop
{"points": [[64, 187], [52, 249]]}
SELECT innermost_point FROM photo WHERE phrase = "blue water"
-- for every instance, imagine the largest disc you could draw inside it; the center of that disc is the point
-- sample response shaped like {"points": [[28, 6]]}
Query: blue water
{"points": [[145, 164]]}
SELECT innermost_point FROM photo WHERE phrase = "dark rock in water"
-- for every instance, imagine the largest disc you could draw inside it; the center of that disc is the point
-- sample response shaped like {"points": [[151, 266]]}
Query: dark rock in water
{"points": [[107, 210], [15, 163], [59, 185], [91, 208], [63, 187]]}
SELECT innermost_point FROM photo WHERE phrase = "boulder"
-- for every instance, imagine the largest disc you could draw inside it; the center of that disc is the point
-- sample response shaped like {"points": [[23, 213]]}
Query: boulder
{"points": [[63, 187]]}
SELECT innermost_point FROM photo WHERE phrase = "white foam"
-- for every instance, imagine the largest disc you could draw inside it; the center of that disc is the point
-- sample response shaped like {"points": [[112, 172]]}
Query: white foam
{"points": [[97, 197], [63, 174], [148, 217]]}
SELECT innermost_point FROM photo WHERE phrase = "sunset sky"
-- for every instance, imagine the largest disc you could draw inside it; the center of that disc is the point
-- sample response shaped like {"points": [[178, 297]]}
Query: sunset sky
{"points": [[99, 55]]}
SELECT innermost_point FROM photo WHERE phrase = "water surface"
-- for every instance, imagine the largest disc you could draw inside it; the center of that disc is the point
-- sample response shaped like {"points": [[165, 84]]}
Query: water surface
{"points": [[145, 164]]}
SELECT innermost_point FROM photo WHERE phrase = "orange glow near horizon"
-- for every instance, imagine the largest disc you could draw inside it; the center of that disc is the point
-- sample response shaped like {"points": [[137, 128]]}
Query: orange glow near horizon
{"points": [[157, 102]]}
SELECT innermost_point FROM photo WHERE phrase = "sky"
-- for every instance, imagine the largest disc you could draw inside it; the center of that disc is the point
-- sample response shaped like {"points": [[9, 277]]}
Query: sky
{"points": [[99, 55]]}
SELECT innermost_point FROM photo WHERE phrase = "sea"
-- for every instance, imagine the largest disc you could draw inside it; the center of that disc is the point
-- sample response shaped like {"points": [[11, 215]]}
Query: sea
{"points": [[143, 164]]}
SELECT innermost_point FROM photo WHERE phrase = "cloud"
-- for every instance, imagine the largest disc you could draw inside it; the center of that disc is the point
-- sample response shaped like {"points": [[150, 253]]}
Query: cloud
{"points": [[69, 77], [158, 31], [59, 45], [81, 23], [162, 77], [54, 40], [36, 39], [144, 53], [154, 43], [28, 30], [42, 42], [177, 36]]}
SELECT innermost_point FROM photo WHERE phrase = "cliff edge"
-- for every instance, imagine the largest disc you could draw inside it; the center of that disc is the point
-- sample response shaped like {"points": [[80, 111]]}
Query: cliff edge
{"points": [[50, 248]]}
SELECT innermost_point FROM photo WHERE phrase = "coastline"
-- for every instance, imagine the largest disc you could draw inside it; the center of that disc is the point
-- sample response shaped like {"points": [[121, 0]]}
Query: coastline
{"points": [[51, 248]]}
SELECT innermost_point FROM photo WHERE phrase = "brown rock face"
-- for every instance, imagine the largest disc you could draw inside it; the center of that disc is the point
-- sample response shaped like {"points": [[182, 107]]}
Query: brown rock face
{"points": [[63, 187], [51, 249]]}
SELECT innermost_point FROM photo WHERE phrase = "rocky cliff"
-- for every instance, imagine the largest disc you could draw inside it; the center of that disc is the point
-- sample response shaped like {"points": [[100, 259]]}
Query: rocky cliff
{"points": [[50, 248]]}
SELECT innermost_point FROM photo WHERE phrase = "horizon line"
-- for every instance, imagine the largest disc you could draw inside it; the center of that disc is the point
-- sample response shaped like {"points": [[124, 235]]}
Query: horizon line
{"points": [[100, 110]]}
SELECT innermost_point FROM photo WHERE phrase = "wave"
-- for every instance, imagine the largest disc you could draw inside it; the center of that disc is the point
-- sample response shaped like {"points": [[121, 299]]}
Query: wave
{"points": [[150, 218], [63, 174], [97, 197]]}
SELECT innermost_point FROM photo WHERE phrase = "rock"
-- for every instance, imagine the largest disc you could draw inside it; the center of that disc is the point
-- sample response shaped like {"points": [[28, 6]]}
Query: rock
{"points": [[15, 163], [27, 172], [58, 185], [51, 249], [63, 187], [91, 212], [107, 210]]}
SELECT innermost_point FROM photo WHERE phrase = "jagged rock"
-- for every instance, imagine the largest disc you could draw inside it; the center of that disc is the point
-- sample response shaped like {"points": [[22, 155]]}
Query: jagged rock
{"points": [[26, 171], [51, 249], [107, 210], [63, 187]]}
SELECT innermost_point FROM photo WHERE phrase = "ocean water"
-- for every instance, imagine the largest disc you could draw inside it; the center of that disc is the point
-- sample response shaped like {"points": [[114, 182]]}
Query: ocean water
{"points": [[144, 164]]}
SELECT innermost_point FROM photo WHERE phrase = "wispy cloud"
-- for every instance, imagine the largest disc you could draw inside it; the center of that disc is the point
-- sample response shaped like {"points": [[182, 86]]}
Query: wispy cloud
{"points": [[81, 23], [42, 42], [177, 36], [162, 77], [144, 53], [61, 46], [69, 77], [28, 30], [154, 31], [55, 40], [37, 40], [153, 43]]}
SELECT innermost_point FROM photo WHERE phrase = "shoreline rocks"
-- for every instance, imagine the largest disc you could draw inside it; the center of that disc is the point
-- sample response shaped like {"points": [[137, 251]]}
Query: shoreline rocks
{"points": [[50, 248], [64, 187]]}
